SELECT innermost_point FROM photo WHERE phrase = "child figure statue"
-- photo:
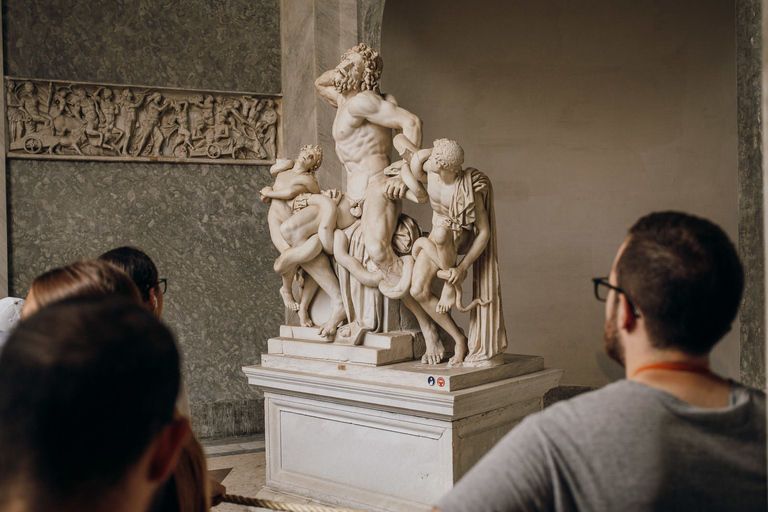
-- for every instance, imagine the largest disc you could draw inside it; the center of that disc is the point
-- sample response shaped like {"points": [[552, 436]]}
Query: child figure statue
{"points": [[297, 189], [462, 223]]}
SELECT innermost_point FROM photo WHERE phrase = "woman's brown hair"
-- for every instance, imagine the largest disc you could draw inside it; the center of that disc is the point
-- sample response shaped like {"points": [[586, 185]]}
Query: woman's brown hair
{"points": [[84, 278]]}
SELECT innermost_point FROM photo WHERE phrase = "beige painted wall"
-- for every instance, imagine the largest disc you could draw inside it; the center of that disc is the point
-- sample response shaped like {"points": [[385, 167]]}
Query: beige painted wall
{"points": [[585, 115]]}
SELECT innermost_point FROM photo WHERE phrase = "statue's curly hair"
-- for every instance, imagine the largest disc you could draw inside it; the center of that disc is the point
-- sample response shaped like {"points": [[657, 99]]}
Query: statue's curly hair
{"points": [[447, 153], [373, 66], [317, 153]]}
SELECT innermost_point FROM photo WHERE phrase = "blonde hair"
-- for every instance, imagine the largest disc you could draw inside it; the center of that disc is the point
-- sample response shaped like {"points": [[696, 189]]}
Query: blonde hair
{"points": [[84, 278]]}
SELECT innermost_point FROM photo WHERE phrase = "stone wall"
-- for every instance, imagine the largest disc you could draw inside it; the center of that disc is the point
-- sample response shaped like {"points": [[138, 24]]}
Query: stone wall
{"points": [[202, 224]]}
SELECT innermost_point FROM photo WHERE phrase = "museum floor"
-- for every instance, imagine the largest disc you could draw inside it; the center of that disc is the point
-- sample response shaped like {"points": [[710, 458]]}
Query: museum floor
{"points": [[240, 464]]}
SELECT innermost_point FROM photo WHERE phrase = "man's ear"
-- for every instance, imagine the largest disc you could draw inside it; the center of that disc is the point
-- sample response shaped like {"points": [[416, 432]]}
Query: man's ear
{"points": [[167, 448], [627, 319]]}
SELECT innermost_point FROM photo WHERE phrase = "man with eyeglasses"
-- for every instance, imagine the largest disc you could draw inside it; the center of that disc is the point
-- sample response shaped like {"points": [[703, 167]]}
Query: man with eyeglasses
{"points": [[673, 435]]}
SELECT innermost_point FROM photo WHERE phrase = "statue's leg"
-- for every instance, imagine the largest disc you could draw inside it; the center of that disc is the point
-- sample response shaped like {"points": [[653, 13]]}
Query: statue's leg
{"points": [[358, 271], [286, 291], [379, 220], [435, 350], [307, 294], [327, 219], [320, 270], [424, 272], [297, 255]]}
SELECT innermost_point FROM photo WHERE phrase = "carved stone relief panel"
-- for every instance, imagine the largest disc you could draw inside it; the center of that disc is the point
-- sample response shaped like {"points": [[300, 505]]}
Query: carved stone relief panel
{"points": [[83, 121]]}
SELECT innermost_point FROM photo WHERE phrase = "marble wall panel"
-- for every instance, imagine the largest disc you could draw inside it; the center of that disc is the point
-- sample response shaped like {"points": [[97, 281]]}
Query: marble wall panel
{"points": [[196, 44], [202, 224], [751, 241]]}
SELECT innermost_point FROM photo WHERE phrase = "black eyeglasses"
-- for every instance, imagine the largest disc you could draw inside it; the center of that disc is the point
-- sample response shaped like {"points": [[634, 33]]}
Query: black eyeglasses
{"points": [[163, 284], [602, 287]]}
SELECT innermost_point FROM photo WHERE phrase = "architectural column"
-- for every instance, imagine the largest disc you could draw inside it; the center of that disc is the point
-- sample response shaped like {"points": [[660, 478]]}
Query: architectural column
{"points": [[751, 198], [313, 36]]}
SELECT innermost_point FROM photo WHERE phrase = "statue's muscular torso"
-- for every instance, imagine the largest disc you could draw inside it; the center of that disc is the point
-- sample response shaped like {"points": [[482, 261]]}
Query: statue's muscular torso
{"points": [[362, 146]]}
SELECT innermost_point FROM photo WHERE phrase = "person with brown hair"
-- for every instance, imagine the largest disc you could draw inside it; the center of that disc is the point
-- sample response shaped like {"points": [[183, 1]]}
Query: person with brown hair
{"points": [[87, 391], [673, 435], [190, 488], [84, 278]]}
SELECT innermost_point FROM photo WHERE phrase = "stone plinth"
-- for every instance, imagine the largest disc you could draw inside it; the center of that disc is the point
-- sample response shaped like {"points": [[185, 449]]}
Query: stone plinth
{"points": [[387, 438]]}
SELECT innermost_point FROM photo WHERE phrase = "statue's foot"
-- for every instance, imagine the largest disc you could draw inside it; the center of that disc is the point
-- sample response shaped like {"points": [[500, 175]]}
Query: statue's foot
{"points": [[459, 355], [351, 334], [447, 299], [304, 318], [430, 357], [288, 299], [328, 329]]}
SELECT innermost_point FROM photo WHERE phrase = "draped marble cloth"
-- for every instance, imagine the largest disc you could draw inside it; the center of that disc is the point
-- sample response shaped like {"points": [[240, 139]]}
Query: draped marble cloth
{"points": [[364, 305], [487, 338]]}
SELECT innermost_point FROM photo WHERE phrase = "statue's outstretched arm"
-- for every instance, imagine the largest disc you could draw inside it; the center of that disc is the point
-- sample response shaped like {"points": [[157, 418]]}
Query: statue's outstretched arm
{"points": [[379, 111]]}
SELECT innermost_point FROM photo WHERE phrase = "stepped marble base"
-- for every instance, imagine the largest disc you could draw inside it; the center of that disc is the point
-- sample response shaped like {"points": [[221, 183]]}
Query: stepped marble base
{"points": [[387, 438]]}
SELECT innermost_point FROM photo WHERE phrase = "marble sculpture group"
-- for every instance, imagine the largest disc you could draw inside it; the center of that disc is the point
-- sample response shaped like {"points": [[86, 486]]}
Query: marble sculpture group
{"points": [[359, 247]]}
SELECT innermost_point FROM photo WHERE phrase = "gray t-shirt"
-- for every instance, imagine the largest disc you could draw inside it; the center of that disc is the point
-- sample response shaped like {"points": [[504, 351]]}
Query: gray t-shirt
{"points": [[625, 447]]}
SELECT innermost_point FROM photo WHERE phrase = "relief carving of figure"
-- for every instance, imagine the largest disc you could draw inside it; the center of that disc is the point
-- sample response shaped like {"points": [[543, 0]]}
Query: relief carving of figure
{"points": [[462, 223], [17, 116], [110, 109], [128, 111], [266, 128], [86, 110], [110, 121], [154, 108], [30, 102]]}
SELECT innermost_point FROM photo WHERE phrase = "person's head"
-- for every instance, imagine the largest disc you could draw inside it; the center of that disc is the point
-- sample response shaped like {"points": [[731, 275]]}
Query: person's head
{"points": [[311, 157], [446, 155], [681, 275], [106, 93], [360, 68], [29, 87], [140, 267], [155, 97], [84, 278], [127, 94], [87, 394]]}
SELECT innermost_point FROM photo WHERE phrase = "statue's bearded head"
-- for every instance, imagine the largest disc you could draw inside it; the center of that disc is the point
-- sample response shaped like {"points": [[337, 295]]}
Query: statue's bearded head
{"points": [[360, 68]]}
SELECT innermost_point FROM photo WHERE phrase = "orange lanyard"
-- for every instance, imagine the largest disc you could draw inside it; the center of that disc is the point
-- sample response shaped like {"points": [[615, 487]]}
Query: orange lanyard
{"points": [[676, 367]]}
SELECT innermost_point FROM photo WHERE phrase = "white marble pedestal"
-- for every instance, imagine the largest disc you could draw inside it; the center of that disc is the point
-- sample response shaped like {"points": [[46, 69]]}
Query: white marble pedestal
{"points": [[388, 438]]}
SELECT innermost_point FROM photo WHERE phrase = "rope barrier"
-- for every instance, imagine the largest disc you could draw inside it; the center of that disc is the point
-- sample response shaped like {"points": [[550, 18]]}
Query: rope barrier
{"points": [[276, 505]]}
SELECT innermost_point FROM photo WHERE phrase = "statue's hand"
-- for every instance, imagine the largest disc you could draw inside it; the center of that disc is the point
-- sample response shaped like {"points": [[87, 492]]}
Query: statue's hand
{"points": [[265, 194], [334, 194], [456, 276], [265, 199], [396, 188]]}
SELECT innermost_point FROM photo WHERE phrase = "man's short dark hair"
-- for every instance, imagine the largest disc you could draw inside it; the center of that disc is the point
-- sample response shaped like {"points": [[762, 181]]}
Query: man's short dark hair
{"points": [[684, 275], [137, 264], [85, 387]]}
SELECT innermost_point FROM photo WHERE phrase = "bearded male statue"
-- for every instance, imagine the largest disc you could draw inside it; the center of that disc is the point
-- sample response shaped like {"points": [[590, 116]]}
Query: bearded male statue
{"points": [[364, 250]]}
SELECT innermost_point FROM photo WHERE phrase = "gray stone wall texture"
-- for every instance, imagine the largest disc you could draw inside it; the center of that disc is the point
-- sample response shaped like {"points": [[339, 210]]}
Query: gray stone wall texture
{"points": [[202, 224], [751, 236]]}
